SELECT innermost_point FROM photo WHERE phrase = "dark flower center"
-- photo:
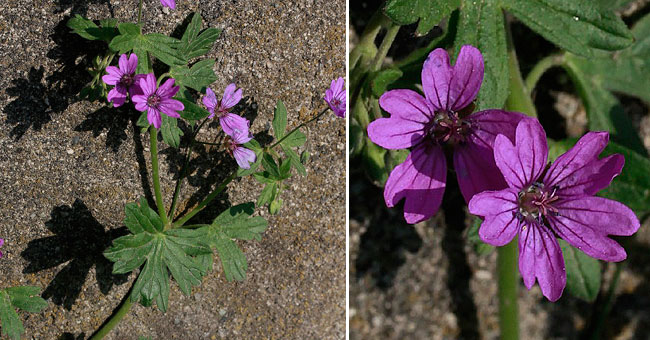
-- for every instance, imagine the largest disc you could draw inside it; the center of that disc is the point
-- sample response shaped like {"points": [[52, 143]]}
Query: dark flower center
{"points": [[336, 102], [127, 80], [536, 201], [153, 100], [230, 145], [448, 128]]}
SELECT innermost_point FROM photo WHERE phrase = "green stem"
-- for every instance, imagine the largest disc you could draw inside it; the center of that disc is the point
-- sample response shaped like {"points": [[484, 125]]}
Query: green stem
{"points": [[508, 281], [366, 47], [162, 76], [519, 98], [179, 181], [541, 67], [153, 133], [140, 13], [298, 127], [206, 201], [385, 46], [115, 319]]}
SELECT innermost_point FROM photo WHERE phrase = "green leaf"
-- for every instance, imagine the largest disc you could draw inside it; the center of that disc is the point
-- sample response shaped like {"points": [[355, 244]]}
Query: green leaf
{"points": [[266, 196], [234, 223], [176, 251], [279, 120], [87, 29], [270, 165], [285, 168], [275, 206], [481, 25], [160, 46], [474, 239], [264, 177], [194, 44], [578, 26], [295, 139], [294, 158], [170, 131], [198, 77], [255, 146], [631, 187], [304, 157], [143, 122], [582, 272], [380, 81], [26, 298], [192, 111], [604, 111], [429, 12]]}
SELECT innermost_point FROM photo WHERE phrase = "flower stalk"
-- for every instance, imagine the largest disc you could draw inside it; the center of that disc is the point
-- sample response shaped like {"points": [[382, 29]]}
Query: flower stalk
{"points": [[153, 133], [115, 319], [298, 127]]}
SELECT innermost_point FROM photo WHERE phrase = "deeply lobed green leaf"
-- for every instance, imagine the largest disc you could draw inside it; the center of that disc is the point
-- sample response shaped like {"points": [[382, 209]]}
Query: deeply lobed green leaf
{"points": [[428, 12], [25, 298]]}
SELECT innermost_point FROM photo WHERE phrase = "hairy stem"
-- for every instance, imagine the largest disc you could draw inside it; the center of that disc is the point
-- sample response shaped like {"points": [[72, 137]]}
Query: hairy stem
{"points": [[385, 46], [140, 13], [541, 67], [508, 281], [115, 319], [298, 127], [153, 133], [519, 98], [183, 173], [206, 201]]}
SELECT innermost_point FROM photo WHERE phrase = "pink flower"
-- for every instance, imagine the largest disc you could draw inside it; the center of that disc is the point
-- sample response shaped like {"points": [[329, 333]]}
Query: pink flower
{"points": [[544, 202], [242, 155], [229, 121], [169, 3], [156, 100], [437, 122], [123, 78], [335, 97]]}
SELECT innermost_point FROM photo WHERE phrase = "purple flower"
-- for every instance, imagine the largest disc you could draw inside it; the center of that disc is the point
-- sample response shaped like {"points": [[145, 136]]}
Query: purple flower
{"points": [[542, 202], [157, 100], [2, 242], [229, 121], [124, 79], [242, 155], [169, 3], [335, 97], [438, 122]]}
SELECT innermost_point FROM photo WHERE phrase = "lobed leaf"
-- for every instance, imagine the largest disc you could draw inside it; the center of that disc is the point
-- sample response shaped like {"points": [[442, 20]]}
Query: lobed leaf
{"points": [[279, 120], [428, 12], [26, 298], [294, 158], [295, 139], [170, 131], [582, 272], [197, 77]]}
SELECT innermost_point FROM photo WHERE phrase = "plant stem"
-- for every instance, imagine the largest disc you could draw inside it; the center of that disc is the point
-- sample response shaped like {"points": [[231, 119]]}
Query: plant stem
{"points": [[508, 281], [140, 13], [179, 181], [162, 76], [114, 319], [153, 133], [206, 201], [366, 46], [519, 98], [385, 46], [298, 127], [542, 66]]}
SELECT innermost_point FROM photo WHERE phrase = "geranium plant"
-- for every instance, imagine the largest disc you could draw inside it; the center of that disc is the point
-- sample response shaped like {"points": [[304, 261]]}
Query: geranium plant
{"points": [[162, 243]]}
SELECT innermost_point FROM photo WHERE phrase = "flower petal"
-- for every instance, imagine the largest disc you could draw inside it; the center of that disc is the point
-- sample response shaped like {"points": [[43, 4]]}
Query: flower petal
{"points": [[540, 257], [230, 97], [476, 170], [210, 100], [420, 180], [407, 124], [140, 102], [523, 163], [488, 124], [148, 84], [231, 122], [580, 172], [124, 64], [585, 223], [407, 105], [132, 63], [153, 116], [499, 209], [167, 89], [452, 88], [244, 157], [117, 95], [170, 107], [113, 77]]}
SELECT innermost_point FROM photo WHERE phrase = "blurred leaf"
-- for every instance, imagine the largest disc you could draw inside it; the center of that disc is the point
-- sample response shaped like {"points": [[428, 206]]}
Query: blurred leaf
{"points": [[87, 29], [474, 239], [582, 272], [578, 26], [295, 139], [604, 111], [285, 168], [175, 251], [380, 81], [197, 77], [192, 111], [279, 120], [304, 157], [275, 206], [612, 5], [481, 25], [428, 12], [270, 165], [374, 164], [194, 44], [631, 187], [294, 158], [170, 131]]}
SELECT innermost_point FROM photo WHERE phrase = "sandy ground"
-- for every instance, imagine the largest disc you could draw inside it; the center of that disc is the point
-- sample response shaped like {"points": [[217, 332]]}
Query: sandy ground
{"points": [[69, 166]]}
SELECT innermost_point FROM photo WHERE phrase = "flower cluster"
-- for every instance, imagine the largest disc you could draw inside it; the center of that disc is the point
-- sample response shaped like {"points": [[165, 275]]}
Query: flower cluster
{"points": [[143, 89], [234, 126], [500, 159]]}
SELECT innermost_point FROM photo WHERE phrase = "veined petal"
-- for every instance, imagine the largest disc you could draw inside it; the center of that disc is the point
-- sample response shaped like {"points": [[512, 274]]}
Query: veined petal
{"points": [[499, 209], [148, 84], [124, 64], [395, 133], [132, 63], [407, 105], [117, 95], [585, 223], [241, 137], [113, 77], [488, 124], [244, 157], [231, 122], [580, 172], [167, 89], [210, 100], [540, 257], [170, 107], [523, 163], [230, 97], [153, 116], [452, 88], [420, 180], [476, 170], [140, 102]]}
